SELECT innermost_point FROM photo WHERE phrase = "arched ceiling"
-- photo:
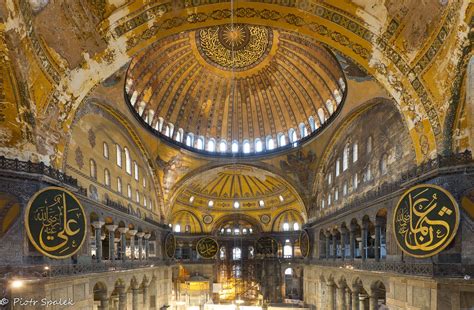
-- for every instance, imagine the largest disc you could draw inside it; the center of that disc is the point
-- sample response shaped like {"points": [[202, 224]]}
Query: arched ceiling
{"points": [[235, 82]]}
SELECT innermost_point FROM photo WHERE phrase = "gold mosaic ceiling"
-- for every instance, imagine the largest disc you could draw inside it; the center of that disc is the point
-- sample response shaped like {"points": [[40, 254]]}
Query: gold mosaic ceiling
{"points": [[235, 82]]}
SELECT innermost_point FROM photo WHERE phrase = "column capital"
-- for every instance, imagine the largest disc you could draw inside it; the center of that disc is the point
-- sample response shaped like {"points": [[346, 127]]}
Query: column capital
{"points": [[123, 230], [116, 239], [111, 228], [132, 232], [98, 224], [140, 234], [147, 236]]}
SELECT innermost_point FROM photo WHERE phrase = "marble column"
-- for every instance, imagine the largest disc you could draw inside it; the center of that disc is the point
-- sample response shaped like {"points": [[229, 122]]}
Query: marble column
{"points": [[132, 234], [377, 242], [363, 305], [340, 298], [355, 299], [364, 242], [123, 242], [145, 297], [343, 243], [104, 301], [327, 245], [98, 239], [334, 246], [352, 244], [111, 229], [122, 292], [348, 298], [147, 245], [140, 248], [135, 298], [373, 302], [331, 296]]}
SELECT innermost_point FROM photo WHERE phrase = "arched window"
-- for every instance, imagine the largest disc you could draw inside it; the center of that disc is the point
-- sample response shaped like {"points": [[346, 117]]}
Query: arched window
{"points": [[292, 135], [329, 200], [336, 194], [384, 164], [338, 167], [118, 154], [107, 177], [235, 146], [288, 272], [323, 203], [134, 97], [321, 115], [281, 139], [236, 253], [129, 191], [312, 123], [337, 96], [200, 143], [149, 117], [106, 150], [159, 124], [355, 152], [223, 146], [177, 228], [169, 130], [135, 170], [342, 84], [180, 135], [137, 196], [344, 189], [246, 147], [303, 130], [222, 253], [187, 228], [144, 182], [296, 226], [258, 145], [329, 106], [211, 145], [355, 182], [119, 185], [93, 169], [270, 143], [345, 157], [251, 252], [287, 249], [286, 226], [190, 139], [128, 161], [144, 201], [368, 174], [329, 178], [369, 145]]}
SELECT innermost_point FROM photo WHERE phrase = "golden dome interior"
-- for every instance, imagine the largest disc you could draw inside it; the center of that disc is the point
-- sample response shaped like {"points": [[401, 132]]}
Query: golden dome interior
{"points": [[236, 88]]}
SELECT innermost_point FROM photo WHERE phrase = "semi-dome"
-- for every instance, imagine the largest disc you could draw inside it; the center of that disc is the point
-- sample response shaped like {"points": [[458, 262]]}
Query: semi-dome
{"points": [[235, 88]]}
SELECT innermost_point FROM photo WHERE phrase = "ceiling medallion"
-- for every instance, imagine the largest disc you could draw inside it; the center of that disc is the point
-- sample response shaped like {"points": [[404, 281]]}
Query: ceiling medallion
{"points": [[234, 46]]}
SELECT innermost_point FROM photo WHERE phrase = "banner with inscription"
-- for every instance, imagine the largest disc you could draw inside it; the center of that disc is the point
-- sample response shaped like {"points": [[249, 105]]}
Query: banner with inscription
{"points": [[425, 220], [55, 222], [207, 247]]}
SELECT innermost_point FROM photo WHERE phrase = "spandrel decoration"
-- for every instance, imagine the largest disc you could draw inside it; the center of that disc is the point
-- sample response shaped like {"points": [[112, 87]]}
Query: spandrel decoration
{"points": [[207, 247], [55, 222], [425, 220]]}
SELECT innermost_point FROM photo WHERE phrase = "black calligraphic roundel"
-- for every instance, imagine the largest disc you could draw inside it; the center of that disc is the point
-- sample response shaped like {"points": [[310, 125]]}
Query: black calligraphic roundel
{"points": [[170, 245], [425, 220], [207, 247], [55, 222], [304, 243]]}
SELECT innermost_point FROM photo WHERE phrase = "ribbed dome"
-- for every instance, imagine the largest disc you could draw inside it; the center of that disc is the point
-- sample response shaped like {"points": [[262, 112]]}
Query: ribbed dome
{"points": [[235, 88]]}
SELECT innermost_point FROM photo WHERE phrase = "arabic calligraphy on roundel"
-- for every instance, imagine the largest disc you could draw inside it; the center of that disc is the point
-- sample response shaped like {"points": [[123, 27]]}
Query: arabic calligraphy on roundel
{"points": [[207, 247], [425, 221], [56, 223]]}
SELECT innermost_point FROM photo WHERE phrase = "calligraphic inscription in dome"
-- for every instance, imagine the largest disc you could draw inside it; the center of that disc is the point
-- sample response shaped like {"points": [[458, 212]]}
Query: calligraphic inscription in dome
{"points": [[304, 243], [55, 222], [207, 247], [425, 220], [170, 245], [234, 47], [266, 246]]}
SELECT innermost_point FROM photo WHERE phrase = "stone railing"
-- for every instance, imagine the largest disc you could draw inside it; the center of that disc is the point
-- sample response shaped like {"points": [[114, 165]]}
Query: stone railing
{"points": [[39, 168], [408, 268], [388, 188]]}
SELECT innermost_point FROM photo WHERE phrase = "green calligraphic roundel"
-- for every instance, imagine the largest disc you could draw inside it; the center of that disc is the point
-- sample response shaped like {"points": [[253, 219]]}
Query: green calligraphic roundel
{"points": [[55, 222], [425, 220], [266, 246], [170, 245], [304, 243], [207, 247]]}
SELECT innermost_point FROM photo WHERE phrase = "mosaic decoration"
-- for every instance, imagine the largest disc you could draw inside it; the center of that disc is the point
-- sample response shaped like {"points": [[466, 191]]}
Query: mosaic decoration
{"points": [[425, 220], [304, 243], [207, 219], [207, 247], [265, 219], [170, 245], [55, 223], [234, 47]]}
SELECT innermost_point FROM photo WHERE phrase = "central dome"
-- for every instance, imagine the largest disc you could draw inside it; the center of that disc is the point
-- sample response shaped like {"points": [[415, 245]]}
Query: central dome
{"points": [[235, 88]]}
